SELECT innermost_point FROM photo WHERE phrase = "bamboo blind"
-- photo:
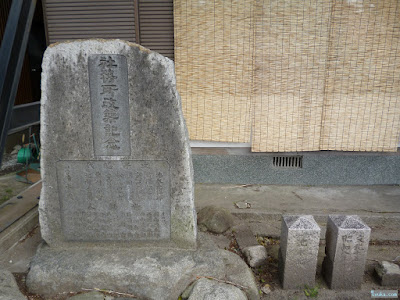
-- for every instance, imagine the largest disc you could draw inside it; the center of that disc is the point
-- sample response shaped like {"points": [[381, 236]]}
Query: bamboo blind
{"points": [[307, 75], [214, 65], [362, 101], [291, 50]]}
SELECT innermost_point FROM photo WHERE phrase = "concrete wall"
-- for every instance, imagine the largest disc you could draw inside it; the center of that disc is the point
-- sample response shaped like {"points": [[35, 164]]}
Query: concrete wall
{"points": [[240, 166]]}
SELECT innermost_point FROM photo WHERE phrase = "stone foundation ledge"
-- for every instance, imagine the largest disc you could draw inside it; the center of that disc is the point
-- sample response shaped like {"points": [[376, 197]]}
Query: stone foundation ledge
{"points": [[147, 273]]}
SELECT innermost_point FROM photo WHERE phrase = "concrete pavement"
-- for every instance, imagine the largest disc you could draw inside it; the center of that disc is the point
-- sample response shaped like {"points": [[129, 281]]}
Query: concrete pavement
{"points": [[378, 206]]}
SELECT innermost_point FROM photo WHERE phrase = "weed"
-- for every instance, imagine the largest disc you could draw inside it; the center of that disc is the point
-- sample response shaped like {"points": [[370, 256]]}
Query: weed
{"points": [[4, 198], [311, 292]]}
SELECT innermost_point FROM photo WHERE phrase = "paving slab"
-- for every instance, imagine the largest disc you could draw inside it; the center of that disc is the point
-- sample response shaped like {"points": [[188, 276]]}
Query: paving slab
{"points": [[9, 187], [288, 199], [244, 236], [19, 205], [17, 259], [378, 206]]}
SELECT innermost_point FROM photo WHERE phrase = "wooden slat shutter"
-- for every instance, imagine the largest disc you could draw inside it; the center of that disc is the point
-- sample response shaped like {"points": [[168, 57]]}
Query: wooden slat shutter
{"points": [[82, 19], [157, 26]]}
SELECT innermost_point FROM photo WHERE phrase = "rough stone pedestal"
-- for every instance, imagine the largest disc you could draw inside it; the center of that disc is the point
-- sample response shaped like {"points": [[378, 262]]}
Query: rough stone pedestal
{"points": [[298, 253], [347, 239], [150, 274]]}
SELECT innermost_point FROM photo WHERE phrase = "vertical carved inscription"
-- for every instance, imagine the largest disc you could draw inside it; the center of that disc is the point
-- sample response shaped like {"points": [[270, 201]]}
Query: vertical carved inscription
{"points": [[109, 96], [121, 200]]}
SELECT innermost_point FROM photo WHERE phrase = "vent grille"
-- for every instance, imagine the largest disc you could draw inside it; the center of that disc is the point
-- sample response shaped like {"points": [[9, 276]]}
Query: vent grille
{"points": [[288, 161]]}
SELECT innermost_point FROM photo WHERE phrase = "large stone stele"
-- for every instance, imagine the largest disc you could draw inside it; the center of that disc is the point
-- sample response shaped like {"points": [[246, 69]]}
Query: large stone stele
{"points": [[116, 162], [117, 209]]}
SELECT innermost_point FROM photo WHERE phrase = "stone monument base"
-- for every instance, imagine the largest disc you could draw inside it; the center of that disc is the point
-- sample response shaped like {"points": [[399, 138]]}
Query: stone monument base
{"points": [[146, 273]]}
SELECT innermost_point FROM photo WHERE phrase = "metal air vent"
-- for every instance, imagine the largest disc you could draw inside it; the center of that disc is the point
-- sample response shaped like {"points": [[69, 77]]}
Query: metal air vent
{"points": [[288, 161]]}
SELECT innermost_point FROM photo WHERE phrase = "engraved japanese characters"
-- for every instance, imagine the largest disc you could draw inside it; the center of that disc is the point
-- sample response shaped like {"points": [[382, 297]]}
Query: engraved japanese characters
{"points": [[298, 253], [347, 239], [137, 204], [108, 76]]}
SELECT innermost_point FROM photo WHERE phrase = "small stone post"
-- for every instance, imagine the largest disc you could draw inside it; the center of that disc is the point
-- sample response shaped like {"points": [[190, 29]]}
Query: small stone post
{"points": [[298, 253], [347, 239]]}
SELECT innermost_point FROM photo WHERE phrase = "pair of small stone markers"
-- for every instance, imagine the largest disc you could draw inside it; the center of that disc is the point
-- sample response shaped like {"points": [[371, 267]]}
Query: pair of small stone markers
{"points": [[347, 239]]}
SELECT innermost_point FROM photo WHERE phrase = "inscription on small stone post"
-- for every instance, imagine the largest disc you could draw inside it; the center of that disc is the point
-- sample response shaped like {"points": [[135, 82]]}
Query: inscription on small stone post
{"points": [[298, 253], [347, 239]]}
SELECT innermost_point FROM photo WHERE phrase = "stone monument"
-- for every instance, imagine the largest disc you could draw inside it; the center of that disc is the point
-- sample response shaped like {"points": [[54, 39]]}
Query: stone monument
{"points": [[116, 208], [347, 239], [109, 175], [298, 253]]}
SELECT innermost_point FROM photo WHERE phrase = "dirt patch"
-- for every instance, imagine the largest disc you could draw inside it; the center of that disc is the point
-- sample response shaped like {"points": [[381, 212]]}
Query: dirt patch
{"points": [[268, 273], [384, 243], [30, 234], [21, 281], [12, 169], [233, 245]]}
